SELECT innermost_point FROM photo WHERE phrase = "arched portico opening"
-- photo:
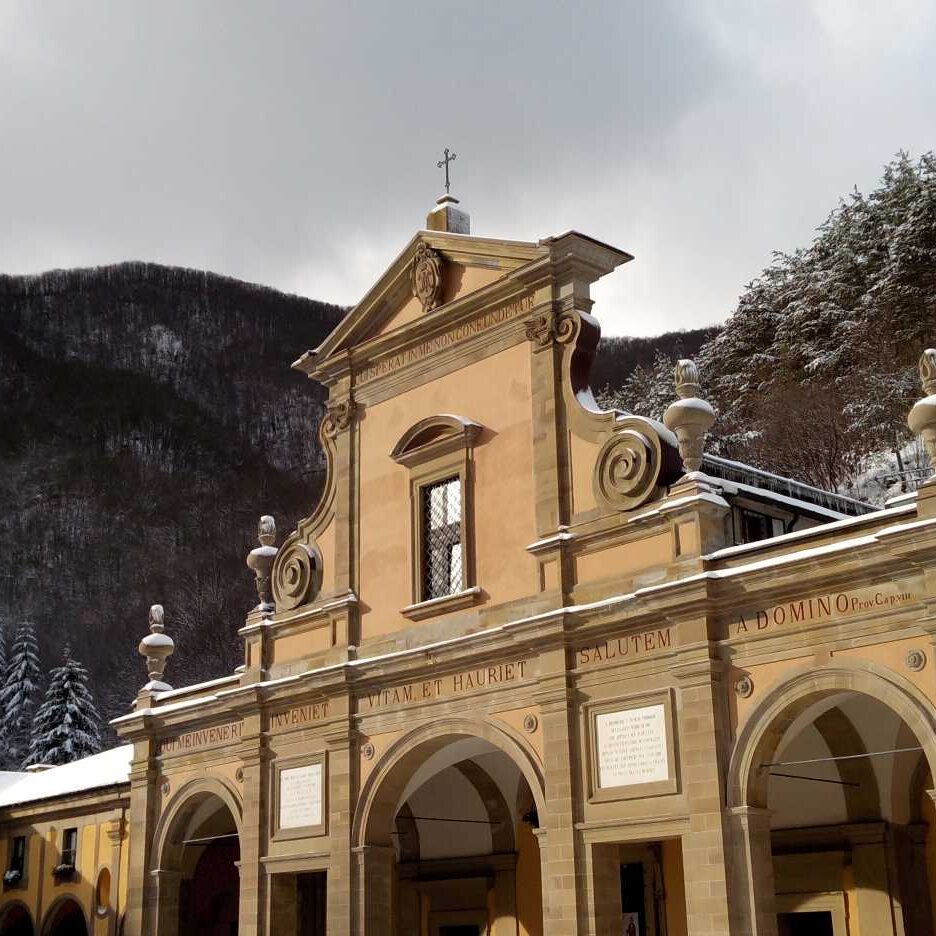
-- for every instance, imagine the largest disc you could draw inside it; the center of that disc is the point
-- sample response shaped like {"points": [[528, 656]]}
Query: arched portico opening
{"points": [[829, 790], [198, 850], [446, 834], [15, 920], [65, 918]]}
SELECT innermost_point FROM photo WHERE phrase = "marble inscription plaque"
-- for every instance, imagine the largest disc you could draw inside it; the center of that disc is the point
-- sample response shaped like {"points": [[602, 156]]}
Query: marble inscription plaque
{"points": [[300, 796], [632, 746]]}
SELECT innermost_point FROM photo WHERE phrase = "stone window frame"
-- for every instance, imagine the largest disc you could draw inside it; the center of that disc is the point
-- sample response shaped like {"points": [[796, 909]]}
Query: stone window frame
{"points": [[438, 449], [590, 712], [280, 764], [23, 881]]}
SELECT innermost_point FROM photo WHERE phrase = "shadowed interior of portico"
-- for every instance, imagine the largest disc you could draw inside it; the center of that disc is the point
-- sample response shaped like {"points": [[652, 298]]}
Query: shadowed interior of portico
{"points": [[466, 856], [198, 875], [851, 821]]}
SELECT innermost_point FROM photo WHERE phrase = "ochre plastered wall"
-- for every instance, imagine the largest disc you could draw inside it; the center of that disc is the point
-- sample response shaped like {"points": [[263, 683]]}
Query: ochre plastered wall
{"points": [[494, 392], [41, 891]]}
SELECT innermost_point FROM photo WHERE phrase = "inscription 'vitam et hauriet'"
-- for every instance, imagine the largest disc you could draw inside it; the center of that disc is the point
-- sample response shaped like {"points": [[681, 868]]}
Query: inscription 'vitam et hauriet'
{"points": [[452, 684]]}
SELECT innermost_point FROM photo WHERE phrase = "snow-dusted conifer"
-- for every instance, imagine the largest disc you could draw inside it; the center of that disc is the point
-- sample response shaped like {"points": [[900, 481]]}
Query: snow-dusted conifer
{"points": [[66, 727], [17, 694], [3, 657]]}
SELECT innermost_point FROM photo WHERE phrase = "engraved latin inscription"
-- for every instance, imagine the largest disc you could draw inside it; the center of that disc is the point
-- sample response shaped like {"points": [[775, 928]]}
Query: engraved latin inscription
{"points": [[300, 797], [632, 746]]}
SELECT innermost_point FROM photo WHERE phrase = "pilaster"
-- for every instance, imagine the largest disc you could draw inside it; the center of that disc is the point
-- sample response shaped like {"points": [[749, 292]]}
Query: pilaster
{"points": [[562, 867], [341, 754], [254, 757], [142, 889], [705, 849], [374, 890]]}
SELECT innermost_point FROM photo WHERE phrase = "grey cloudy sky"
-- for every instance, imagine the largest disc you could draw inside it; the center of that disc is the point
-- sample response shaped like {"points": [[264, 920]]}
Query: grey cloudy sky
{"points": [[295, 143]]}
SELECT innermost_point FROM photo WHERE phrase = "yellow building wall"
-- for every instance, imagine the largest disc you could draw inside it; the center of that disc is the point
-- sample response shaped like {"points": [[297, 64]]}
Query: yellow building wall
{"points": [[674, 880], [41, 890], [503, 490], [529, 883]]}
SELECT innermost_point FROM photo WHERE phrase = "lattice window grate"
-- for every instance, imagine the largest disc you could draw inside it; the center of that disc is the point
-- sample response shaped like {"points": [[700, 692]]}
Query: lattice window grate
{"points": [[442, 539]]}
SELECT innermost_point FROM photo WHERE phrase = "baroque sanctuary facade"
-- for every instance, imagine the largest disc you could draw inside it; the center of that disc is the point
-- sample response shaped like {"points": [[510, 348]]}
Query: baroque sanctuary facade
{"points": [[528, 668]]}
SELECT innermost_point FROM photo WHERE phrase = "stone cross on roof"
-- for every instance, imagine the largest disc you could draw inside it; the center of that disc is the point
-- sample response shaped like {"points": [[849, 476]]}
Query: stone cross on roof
{"points": [[445, 162]]}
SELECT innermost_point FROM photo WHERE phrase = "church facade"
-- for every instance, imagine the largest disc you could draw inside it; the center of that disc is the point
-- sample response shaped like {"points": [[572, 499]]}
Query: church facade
{"points": [[531, 668]]}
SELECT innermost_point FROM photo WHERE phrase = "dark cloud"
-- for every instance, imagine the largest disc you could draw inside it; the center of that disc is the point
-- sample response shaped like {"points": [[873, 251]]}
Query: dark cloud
{"points": [[295, 143]]}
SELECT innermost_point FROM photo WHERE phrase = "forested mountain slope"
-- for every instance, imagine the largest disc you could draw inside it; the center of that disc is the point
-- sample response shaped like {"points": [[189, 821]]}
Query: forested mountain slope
{"points": [[815, 370], [148, 416]]}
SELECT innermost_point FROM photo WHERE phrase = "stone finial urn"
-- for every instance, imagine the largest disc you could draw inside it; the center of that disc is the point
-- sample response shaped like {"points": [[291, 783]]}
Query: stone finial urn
{"points": [[156, 647], [260, 560], [922, 418], [690, 417]]}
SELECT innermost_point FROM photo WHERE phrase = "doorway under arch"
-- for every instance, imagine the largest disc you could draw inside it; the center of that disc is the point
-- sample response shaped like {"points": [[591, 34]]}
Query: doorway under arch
{"points": [[448, 826], [198, 851], [16, 921], [65, 918], [843, 781]]}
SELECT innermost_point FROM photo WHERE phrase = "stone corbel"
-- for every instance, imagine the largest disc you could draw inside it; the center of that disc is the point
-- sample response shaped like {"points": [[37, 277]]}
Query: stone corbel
{"points": [[550, 328], [339, 415]]}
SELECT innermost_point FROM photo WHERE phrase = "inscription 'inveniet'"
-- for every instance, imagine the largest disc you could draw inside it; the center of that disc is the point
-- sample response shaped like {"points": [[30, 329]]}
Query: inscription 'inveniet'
{"points": [[632, 746]]}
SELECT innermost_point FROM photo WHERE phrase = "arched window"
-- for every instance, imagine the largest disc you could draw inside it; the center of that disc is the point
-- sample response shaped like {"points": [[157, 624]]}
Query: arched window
{"points": [[438, 453]]}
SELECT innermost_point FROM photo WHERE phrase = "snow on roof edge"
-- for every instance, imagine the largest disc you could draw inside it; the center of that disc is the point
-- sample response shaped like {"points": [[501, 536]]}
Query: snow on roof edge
{"points": [[109, 768]]}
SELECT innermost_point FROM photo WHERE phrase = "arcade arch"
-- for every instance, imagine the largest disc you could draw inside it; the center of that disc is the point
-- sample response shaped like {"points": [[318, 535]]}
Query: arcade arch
{"points": [[831, 778], [197, 853], [446, 834], [65, 918], [15, 920]]}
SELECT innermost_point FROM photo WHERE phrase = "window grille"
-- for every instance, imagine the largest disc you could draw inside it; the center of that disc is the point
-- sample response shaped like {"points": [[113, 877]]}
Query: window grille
{"points": [[442, 538], [70, 847]]}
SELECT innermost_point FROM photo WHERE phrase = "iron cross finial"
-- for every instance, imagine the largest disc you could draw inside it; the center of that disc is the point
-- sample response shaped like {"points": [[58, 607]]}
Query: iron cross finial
{"points": [[445, 162]]}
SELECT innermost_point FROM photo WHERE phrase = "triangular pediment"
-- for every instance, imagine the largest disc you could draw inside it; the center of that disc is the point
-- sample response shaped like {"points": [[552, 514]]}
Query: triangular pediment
{"points": [[468, 264]]}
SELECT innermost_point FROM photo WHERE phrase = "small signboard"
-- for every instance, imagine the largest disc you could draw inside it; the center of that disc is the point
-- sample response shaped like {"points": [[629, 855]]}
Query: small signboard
{"points": [[300, 796]]}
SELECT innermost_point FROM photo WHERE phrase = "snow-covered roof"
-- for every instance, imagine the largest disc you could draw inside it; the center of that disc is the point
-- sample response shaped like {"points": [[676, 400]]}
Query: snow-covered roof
{"points": [[8, 777], [765, 481], [109, 768]]}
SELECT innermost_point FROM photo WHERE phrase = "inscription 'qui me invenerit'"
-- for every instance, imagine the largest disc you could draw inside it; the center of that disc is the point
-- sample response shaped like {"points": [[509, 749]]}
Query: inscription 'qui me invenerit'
{"points": [[440, 342], [203, 737]]}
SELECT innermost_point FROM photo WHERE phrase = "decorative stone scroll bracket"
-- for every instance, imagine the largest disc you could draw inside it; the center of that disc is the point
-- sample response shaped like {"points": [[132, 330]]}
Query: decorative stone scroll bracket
{"points": [[339, 414], [922, 418], [296, 574], [544, 330], [156, 647], [632, 463]]}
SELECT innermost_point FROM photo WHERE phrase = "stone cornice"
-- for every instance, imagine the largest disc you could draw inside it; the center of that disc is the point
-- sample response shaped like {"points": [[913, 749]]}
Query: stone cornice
{"points": [[53, 808]]}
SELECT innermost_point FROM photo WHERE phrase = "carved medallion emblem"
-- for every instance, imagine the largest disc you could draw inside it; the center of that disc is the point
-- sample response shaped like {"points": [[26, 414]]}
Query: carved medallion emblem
{"points": [[427, 277]]}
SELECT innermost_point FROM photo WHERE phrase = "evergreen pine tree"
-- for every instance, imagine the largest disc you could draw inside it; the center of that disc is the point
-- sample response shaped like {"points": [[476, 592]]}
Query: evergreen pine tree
{"points": [[17, 695], [66, 727], [3, 657]]}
